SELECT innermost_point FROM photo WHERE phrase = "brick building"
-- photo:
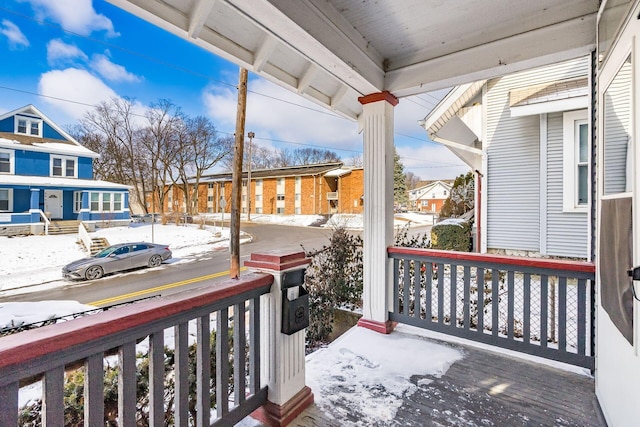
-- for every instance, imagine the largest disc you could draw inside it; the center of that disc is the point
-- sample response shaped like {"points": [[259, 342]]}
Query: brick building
{"points": [[430, 197], [301, 190]]}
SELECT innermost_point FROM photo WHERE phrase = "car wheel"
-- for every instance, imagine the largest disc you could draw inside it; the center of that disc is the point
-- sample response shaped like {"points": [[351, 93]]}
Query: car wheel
{"points": [[94, 273], [155, 261]]}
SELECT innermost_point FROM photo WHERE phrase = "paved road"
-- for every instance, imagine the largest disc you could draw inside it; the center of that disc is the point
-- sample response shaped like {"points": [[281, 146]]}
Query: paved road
{"points": [[207, 268]]}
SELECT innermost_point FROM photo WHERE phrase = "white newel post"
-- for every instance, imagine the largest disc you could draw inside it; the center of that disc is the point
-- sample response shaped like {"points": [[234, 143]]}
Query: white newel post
{"points": [[282, 357], [377, 125]]}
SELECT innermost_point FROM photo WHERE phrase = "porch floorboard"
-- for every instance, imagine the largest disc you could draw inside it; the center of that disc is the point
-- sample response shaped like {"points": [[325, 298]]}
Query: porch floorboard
{"points": [[485, 388]]}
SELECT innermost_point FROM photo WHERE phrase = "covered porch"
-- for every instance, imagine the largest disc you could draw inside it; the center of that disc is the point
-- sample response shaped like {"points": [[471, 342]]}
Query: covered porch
{"points": [[360, 59]]}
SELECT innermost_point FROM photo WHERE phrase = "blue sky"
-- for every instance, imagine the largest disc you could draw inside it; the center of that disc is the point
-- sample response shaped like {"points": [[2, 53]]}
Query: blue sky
{"points": [[64, 56]]}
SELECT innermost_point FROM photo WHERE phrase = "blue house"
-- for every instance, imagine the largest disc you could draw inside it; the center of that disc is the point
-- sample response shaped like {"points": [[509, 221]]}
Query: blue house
{"points": [[46, 175]]}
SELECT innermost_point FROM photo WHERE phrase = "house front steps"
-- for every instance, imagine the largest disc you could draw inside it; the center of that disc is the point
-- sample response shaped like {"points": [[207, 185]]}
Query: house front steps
{"points": [[64, 227]]}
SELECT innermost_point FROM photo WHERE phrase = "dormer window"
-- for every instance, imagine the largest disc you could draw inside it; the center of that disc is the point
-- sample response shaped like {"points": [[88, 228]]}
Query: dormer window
{"points": [[29, 126]]}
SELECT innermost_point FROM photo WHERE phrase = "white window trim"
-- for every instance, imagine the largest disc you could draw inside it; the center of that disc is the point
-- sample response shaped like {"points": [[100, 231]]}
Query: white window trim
{"points": [[111, 202], [77, 201], [29, 121], [12, 162], [64, 167], [570, 155], [10, 190]]}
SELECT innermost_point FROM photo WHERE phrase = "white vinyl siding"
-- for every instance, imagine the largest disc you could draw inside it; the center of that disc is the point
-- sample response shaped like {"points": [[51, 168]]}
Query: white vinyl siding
{"points": [[567, 233], [513, 164]]}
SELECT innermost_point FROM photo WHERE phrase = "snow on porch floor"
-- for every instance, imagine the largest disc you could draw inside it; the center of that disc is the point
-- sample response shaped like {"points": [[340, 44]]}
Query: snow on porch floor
{"points": [[402, 379]]}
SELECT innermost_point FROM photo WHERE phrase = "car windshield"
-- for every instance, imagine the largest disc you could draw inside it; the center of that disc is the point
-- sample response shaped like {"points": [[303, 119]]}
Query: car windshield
{"points": [[105, 252]]}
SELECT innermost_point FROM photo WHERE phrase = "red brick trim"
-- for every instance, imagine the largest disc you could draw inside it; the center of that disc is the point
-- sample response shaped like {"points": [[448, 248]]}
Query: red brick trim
{"points": [[381, 327], [277, 260], [274, 415], [379, 96]]}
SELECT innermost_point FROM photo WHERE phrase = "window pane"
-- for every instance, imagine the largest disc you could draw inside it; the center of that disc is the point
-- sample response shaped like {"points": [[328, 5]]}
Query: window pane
{"points": [[117, 202], [22, 126], [70, 167], [4, 200], [5, 163], [583, 187], [106, 201], [95, 201], [57, 167], [35, 128], [584, 143]]}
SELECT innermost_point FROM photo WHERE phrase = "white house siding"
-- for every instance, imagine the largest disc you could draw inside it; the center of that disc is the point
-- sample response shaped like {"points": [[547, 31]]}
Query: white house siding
{"points": [[567, 232], [513, 149]]}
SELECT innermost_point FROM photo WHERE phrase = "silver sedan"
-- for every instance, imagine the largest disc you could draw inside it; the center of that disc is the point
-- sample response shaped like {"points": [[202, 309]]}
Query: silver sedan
{"points": [[120, 257]]}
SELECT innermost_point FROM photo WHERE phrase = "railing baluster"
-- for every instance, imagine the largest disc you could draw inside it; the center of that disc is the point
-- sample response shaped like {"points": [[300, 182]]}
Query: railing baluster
{"points": [[405, 290], [480, 301], [254, 346], [222, 362], [582, 316], [94, 391], [495, 302], [9, 405], [562, 314], [239, 354], [526, 309], [396, 292], [53, 397], [453, 295], [467, 296], [181, 373], [510, 303], [441, 293], [203, 371], [156, 379], [429, 292], [127, 385], [544, 311]]}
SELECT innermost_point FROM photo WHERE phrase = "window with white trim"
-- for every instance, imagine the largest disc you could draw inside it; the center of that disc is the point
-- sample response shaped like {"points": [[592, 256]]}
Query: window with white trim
{"points": [[6, 200], [28, 126], [64, 166], [106, 202], [77, 201], [7, 161], [575, 167]]}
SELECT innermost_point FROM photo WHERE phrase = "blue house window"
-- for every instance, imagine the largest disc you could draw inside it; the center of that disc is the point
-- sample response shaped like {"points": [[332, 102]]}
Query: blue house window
{"points": [[6, 199], [77, 201], [106, 202], [6, 161], [63, 166], [29, 126]]}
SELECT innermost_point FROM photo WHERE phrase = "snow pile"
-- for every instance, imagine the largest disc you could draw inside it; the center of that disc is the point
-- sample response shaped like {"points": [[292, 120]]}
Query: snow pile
{"points": [[365, 374], [14, 314]]}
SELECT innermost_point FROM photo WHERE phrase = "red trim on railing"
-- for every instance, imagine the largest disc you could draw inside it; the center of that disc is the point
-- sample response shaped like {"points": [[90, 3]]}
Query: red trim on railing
{"points": [[556, 264], [19, 348]]}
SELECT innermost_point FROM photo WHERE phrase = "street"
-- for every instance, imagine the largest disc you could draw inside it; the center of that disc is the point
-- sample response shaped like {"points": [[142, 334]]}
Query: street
{"points": [[178, 276]]}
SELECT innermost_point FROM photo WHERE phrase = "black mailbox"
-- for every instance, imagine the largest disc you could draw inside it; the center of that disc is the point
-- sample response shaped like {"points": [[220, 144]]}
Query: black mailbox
{"points": [[295, 307]]}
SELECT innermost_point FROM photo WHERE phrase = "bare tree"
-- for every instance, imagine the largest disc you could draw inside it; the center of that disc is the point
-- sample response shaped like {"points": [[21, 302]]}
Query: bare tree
{"points": [[411, 179], [160, 142], [355, 160], [199, 149], [310, 156], [111, 130]]}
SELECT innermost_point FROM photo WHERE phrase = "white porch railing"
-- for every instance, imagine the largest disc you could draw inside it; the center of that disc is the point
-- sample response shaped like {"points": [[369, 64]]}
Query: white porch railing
{"points": [[47, 221], [83, 234]]}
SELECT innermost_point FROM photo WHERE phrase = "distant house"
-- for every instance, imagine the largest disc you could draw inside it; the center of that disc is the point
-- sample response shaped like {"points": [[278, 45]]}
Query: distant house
{"points": [[527, 137], [45, 175], [295, 190], [430, 197]]}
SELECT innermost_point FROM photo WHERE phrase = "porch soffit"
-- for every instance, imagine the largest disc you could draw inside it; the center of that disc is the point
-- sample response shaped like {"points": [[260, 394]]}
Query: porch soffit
{"points": [[450, 106], [333, 51], [548, 92]]}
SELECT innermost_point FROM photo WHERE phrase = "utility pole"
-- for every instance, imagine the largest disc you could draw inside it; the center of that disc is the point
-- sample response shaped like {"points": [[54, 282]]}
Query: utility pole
{"points": [[251, 135], [236, 180]]}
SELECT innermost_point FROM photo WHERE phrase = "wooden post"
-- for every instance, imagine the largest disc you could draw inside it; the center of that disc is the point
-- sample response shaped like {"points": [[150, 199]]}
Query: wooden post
{"points": [[236, 181]]}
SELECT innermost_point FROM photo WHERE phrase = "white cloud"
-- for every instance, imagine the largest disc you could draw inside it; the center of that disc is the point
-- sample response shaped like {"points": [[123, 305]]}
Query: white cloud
{"points": [[57, 51], [274, 117], [17, 39], [77, 16], [74, 85], [110, 71], [431, 161]]}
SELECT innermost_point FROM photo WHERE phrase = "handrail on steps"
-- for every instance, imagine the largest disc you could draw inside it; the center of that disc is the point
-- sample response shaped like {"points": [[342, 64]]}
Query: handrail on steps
{"points": [[84, 236]]}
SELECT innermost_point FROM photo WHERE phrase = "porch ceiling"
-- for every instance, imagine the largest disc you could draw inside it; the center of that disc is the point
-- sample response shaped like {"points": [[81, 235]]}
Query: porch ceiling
{"points": [[333, 51]]}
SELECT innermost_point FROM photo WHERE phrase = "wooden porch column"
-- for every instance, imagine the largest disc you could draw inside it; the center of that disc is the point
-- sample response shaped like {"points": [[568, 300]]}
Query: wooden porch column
{"points": [[377, 124], [282, 357]]}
